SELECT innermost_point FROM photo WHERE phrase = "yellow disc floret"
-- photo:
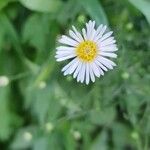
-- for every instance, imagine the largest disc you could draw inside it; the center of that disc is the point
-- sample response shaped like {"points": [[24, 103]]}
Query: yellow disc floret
{"points": [[86, 51]]}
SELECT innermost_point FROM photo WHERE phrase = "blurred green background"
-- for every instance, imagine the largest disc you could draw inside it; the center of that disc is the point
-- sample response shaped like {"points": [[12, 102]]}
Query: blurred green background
{"points": [[40, 109]]}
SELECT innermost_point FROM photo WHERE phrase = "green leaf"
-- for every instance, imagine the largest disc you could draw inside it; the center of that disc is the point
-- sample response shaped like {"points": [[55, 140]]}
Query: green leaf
{"points": [[37, 36], [100, 142], [3, 3], [143, 6], [102, 117], [43, 102], [24, 138], [68, 7], [41, 143], [48, 142], [95, 10], [15, 40], [42, 5], [8, 119], [121, 135]]}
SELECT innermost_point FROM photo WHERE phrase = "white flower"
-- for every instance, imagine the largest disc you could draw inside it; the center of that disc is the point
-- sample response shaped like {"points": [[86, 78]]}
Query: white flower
{"points": [[88, 52]]}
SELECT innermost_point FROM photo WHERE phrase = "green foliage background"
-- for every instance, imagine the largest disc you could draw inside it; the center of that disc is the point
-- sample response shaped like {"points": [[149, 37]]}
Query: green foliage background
{"points": [[40, 109]]}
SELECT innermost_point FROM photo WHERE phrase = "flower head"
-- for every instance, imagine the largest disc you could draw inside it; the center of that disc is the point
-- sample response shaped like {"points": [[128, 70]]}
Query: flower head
{"points": [[88, 52]]}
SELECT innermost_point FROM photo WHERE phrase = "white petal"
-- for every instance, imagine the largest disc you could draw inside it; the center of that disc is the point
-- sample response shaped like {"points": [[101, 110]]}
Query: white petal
{"points": [[90, 30], [97, 31], [92, 34], [89, 27], [108, 54], [106, 62], [95, 70], [66, 57], [74, 36], [67, 71], [65, 52], [109, 61], [99, 68], [105, 36], [109, 48], [81, 75], [77, 70], [84, 34], [101, 71], [106, 42], [65, 48], [100, 65], [87, 74], [69, 64], [100, 34], [68, 41], [77, 33], [73, 66], [91, 74]]}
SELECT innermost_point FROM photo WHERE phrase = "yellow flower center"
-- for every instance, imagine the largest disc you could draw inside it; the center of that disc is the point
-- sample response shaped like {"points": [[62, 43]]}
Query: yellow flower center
{"points": [[86, 51]]}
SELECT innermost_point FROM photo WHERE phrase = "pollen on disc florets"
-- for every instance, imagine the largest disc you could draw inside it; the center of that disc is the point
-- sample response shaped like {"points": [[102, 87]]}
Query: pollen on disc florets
{"points": [[86, 51]]}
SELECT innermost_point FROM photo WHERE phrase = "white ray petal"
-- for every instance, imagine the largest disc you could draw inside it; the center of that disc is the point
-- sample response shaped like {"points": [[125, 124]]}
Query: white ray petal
{"points": [[77, 33], [97, 31], [109, 48], [65, 52], [66, 72], [87, 30], [106, 62], [107, 42], [95, 69], [77, 70], [100, 33], [74, 36], [89, 26], [91, 74], [82, 73], [101, 65], [65, 48], [66, 57], [73, 66], [109, 61], [92, 30], [69, 64], [87, 74], [84, 34], [105, 36], [68, 41], [92, 35], [101, 71], [107, 54], [98, 66]]}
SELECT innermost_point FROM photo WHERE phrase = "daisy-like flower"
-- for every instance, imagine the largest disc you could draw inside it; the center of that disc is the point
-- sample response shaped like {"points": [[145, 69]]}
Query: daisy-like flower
{"points": [[88, 52]]}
